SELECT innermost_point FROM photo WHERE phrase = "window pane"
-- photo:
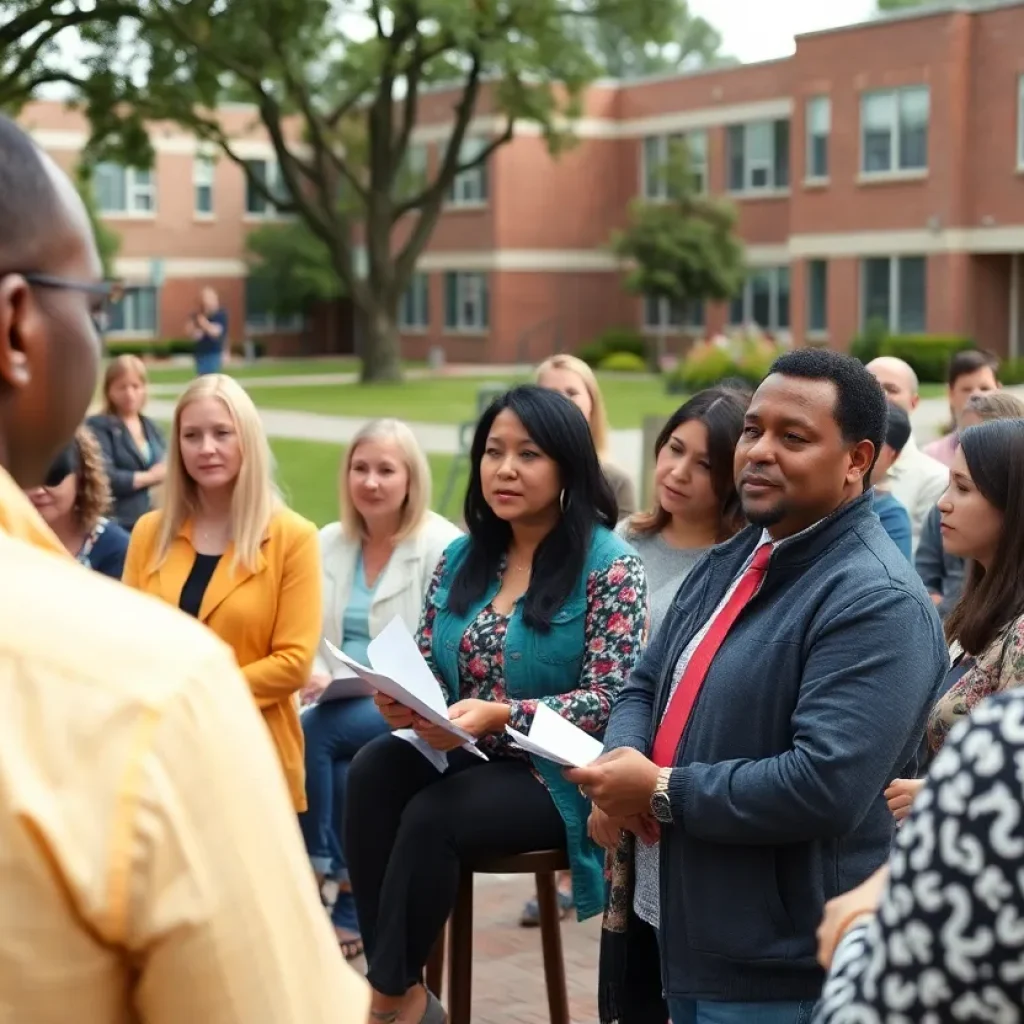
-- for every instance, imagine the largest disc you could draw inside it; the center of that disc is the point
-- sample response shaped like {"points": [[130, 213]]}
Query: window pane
{"points": [[652, 312], [676, 313], [819, 124], [914, 106], [737, 159], [782, 299], [912, 272], [761, 298], [878, 111], [819, 156], [781, 145], [817, 295], [693, 315], [819, 115], [111, 188], [652, 167], [1020, 121], [451, 299], [737, 313], [204, 199], [877, 291], [759, 141], [145, 309], [254, 200]]}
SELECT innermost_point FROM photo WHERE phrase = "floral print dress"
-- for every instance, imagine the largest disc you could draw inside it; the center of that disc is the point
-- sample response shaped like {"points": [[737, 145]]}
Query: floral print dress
{"points": [[615, 631]]}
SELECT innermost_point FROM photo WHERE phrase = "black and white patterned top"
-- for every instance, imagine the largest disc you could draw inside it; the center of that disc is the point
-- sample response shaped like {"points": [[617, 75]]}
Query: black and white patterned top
{"points": [[947, 943]]}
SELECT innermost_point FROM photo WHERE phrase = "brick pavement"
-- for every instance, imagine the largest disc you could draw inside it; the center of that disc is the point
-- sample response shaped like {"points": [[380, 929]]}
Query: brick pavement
{"points": [[508, 972]]}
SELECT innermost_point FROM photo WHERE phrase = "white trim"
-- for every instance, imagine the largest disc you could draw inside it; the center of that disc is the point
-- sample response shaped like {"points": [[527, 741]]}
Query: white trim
{"points": [[523, 260], [767, 255], [891, 177], [56, 141], [138, 269], [1007, 239]]}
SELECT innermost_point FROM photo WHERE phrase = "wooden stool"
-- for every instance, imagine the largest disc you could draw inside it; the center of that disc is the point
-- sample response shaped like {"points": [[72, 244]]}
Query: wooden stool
{"points": [[543, 866]]}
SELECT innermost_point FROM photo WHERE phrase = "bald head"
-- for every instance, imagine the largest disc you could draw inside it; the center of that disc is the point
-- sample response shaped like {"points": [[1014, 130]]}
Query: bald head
{"points": [[898, 380]]}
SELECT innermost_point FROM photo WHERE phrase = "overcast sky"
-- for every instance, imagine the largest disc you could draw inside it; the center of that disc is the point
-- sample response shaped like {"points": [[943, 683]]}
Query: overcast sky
{"points": [[762, 29]]}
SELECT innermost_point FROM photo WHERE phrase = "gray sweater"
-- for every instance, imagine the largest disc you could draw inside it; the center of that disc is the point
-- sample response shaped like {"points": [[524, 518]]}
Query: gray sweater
{"points": [[665, 565]]}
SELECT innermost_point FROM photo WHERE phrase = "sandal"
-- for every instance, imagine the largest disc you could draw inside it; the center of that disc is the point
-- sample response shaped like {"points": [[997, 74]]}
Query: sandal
{"points": [[531, 912], [351, 945]]}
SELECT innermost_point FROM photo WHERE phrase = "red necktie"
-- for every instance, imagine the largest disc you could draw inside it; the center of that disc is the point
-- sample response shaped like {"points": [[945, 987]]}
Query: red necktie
{"points": [[670, 732]]}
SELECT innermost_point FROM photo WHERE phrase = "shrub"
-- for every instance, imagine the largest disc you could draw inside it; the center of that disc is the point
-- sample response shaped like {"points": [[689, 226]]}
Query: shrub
{"points": [[868, 345], [929, 355], [180, 346], [623, 362], [136, 347], [704, 366], [756, 358], [259, 349], [615, 339], [1012, 372]]}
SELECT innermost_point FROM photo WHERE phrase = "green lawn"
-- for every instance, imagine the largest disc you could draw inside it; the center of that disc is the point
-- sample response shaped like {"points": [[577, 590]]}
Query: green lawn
{"points": [[308, 474], [453, 399], [263, 368]]}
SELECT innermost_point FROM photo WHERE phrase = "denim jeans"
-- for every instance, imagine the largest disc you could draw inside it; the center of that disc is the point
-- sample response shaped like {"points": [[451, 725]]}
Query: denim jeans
{"points": [[334, 733], [208, 362], [690, 1011]]}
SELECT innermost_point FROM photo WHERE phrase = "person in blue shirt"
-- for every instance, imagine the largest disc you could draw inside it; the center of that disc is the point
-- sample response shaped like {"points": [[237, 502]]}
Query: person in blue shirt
{"points": [[73, 501], [209, 330], [893, 513]]}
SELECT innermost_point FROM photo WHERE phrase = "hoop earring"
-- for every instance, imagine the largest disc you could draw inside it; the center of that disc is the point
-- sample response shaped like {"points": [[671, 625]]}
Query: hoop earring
{"points": [[563, 501]]}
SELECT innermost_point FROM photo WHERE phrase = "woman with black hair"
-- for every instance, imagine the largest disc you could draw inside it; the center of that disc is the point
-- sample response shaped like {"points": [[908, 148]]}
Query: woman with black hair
{"points": [[541, 602], [935, 934]]}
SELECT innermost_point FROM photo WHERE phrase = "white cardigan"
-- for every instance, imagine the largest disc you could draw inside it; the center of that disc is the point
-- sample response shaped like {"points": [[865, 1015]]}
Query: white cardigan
{"points": [[401, 588]]}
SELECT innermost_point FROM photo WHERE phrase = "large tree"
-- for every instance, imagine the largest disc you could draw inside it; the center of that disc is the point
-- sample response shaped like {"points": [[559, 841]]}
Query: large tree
{"points": [[682, 248], [348, 80]]}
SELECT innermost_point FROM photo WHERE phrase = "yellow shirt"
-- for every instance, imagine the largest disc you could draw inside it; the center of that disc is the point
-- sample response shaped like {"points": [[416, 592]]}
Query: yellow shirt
{"points": [[151, 868]]}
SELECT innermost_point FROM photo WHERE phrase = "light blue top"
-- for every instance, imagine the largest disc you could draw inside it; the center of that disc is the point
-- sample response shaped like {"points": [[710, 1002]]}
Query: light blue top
{"points": [[355, 619]]}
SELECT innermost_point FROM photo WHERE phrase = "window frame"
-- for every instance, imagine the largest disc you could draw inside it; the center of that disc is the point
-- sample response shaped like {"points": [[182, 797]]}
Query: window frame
{"points": [[133, 188], [776, 274], [129, 302], [204, 172], [453, 321], [416, 295], [811, 171], [772, 165], [896, 270], [817, 330], [476, 179], [274, 182], [672, 317], [895, 129], [661, 144]]}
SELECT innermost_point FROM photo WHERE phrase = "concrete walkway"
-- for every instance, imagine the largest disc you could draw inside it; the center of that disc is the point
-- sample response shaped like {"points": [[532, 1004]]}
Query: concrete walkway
{"points": [[443, 439]]}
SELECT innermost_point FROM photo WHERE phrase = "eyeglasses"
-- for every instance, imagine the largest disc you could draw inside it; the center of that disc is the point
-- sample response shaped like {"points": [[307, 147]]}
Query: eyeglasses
{"points": [[111, 292]]}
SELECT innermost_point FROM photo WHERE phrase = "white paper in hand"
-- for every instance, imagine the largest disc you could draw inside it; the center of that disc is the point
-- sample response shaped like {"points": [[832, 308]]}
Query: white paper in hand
{"points": [[556, 739], [344, 683]]}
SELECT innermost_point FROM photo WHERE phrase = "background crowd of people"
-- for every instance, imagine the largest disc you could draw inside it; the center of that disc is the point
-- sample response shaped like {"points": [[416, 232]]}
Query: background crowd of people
{"points": [[788, 760]]}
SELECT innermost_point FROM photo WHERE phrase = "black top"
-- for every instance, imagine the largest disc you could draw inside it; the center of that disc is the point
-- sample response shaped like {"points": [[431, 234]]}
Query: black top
{"points": [[192, 592]]}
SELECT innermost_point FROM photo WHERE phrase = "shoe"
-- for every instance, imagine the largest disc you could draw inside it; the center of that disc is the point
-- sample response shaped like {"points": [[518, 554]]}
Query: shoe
{"points": [[531, 912]]}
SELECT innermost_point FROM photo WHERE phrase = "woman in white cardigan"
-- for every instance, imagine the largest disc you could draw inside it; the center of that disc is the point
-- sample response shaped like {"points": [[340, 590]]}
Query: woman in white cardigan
{"points": [[377, 563]]}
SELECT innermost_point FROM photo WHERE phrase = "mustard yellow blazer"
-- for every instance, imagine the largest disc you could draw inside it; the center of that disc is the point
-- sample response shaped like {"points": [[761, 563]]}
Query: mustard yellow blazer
{"points": [[270, 617]]}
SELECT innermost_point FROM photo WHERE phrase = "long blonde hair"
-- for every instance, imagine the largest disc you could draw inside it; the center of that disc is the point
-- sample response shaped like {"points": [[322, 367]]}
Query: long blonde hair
{"points": [[118, 368], [418, 498], [255, 498], [598, 414]]}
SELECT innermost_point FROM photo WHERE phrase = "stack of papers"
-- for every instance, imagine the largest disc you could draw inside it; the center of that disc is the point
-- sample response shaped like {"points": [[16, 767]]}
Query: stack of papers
{"points": [[556, 739], [400, 672]]}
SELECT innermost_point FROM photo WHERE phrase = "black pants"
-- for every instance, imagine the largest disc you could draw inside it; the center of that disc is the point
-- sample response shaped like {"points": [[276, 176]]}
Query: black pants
{"points": [[408, 828]]}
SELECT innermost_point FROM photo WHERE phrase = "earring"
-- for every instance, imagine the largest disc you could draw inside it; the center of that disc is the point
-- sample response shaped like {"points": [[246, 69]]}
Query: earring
{"points": [[563, 501]]}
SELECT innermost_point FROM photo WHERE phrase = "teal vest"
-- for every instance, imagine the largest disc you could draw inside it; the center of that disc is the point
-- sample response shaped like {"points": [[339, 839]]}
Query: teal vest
{"points": [[539, 665]]}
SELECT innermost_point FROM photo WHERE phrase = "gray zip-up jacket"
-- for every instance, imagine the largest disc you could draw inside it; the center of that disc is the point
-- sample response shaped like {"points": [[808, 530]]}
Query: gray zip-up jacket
{"points": [[816, 700]]}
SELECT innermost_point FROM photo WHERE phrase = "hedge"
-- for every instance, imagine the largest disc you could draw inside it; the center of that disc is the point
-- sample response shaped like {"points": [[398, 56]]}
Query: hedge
{"points": [[928, 354], [610, 342]]}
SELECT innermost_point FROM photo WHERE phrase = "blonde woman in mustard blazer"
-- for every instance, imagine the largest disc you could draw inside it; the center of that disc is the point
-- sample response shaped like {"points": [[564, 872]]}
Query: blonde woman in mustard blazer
{"points": [[377, 563], [225, 550]]}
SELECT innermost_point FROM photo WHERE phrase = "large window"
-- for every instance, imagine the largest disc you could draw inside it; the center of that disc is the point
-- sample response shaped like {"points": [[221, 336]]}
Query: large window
{"points": [[658, 151], [135, 313], [894, 291], [819, 127], [269, 173], [894, 130], [470, 187], [465, 302], [127, 190], [817, 297], [261, 319], [758, 156], [414, 309], [764, 300], [666, 315], [202, 181]]}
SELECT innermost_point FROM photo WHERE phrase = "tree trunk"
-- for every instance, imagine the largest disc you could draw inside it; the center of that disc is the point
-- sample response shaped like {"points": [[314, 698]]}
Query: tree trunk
{"points": [[381, 353]]}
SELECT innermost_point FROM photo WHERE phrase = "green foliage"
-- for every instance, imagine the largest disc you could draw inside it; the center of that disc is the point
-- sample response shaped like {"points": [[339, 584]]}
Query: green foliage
{"points": [[624, 362], [888, 6], [1011, 373], [685, 249], [868, 345], [148, 347], [756, 356], [291, 268], [746, 356], [346, 82], [615, 339], [928, 354], [108, 241]]}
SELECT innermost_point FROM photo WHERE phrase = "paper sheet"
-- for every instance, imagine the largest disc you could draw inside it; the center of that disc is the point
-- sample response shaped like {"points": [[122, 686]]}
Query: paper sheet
{"points": [[556, 739], [400, 672]]}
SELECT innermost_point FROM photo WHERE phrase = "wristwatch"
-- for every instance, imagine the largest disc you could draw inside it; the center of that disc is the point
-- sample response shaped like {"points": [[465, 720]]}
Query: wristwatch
{"points": [[661, 807]]}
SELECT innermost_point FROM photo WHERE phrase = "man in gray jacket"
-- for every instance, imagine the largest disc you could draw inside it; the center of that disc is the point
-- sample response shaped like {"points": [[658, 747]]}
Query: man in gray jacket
{"points": [[787, 686]]}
